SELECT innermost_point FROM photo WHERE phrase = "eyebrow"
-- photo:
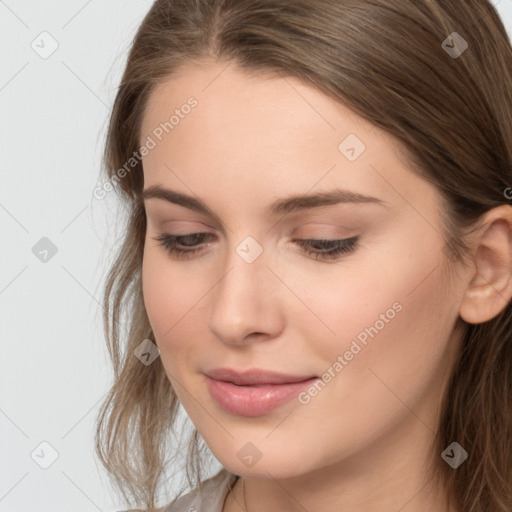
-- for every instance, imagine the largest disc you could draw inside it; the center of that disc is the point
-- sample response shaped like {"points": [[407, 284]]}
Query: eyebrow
{"points": [[279, 206]]}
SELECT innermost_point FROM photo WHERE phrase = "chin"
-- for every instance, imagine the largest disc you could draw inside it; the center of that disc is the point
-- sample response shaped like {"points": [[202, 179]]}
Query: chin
{"points": [[274, 466]]}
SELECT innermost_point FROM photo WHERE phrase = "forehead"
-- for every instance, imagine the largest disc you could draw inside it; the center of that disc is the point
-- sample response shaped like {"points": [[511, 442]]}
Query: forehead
{"points": [[250, 131], [227, 95]]}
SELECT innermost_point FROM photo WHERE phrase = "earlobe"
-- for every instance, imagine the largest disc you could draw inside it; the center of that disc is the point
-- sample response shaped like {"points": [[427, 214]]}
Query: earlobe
{"points": [[489, 288]]}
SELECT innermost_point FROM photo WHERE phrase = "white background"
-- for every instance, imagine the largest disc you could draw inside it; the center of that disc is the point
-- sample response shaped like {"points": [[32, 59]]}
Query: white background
{"points": [[54, 367]]}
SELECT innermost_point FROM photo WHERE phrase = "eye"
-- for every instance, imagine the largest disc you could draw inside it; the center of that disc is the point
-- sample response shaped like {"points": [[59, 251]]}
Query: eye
{"points": [[170, 243], [319, 248], [328, 249]]}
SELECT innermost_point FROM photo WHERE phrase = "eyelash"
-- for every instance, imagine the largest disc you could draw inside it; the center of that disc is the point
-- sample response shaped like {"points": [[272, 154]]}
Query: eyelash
{"points": [[341, 247]]}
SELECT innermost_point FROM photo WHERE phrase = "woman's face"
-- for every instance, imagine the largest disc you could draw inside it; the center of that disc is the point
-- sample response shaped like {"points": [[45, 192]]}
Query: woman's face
{"points": [[372, 325]]}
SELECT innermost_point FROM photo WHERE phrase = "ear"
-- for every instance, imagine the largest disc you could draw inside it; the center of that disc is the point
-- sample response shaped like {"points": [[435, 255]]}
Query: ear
{"points": [[490, 285]]}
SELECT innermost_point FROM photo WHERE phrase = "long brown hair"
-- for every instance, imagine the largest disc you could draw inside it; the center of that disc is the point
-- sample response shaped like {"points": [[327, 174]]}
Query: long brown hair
{"points": [[389, 61]]}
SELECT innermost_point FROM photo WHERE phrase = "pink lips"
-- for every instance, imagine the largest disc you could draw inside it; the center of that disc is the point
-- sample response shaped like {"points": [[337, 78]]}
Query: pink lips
{"points": [[254, 392]]}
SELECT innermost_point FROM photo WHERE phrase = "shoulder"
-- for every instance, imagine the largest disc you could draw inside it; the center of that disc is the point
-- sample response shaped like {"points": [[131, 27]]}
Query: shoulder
{"points": [[209, 498]]}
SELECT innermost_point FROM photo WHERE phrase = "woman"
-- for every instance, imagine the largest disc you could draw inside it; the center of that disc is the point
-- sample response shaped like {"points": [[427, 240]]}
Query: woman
{"points": [[317, 258]]}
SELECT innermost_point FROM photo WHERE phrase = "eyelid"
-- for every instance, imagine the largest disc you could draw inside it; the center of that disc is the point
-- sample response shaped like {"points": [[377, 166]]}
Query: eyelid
{"points": [[342, 247], [328, 233], [176, 226]]}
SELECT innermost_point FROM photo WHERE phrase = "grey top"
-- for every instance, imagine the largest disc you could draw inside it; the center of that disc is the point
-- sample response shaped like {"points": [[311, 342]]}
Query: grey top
{"points": [[209, 499]]}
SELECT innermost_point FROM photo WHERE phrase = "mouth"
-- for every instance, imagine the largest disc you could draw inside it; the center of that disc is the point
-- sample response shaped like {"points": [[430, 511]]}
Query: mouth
{"points": [[255, 376], [255, 392]]}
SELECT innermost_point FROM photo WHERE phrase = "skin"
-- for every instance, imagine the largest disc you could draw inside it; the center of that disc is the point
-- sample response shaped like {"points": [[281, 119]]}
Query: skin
{"points": [[363, 443]]}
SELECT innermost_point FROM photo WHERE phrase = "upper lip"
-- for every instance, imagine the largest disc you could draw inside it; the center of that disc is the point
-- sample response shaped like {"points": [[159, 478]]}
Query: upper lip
{"points": [[254, 376]]}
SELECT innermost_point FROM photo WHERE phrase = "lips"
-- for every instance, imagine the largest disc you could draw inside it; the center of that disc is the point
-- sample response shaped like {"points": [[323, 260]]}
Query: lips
{"points": [[255, 376], [254, 392]]}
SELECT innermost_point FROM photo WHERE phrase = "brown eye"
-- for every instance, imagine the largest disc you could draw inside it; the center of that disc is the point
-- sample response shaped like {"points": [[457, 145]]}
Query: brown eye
{"points": [[171, 243], [326, 249], [319, 248]]}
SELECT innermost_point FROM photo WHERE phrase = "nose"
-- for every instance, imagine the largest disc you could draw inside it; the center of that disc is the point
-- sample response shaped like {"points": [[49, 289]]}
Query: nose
{"points": [[245, 303]]}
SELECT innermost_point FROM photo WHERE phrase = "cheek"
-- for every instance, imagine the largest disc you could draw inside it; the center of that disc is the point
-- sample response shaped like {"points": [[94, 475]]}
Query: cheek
{"points": [[157, 298], [392, 331], [174, 297], [391, 299], [397, 363], [166, 296]]}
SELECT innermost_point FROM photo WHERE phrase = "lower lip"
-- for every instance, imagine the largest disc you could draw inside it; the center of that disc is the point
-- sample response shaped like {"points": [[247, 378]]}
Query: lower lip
{"points": [[254, 400]]}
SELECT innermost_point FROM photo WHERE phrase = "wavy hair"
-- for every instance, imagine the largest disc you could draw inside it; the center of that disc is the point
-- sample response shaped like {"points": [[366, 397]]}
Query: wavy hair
{"points": [[385, 60]]}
